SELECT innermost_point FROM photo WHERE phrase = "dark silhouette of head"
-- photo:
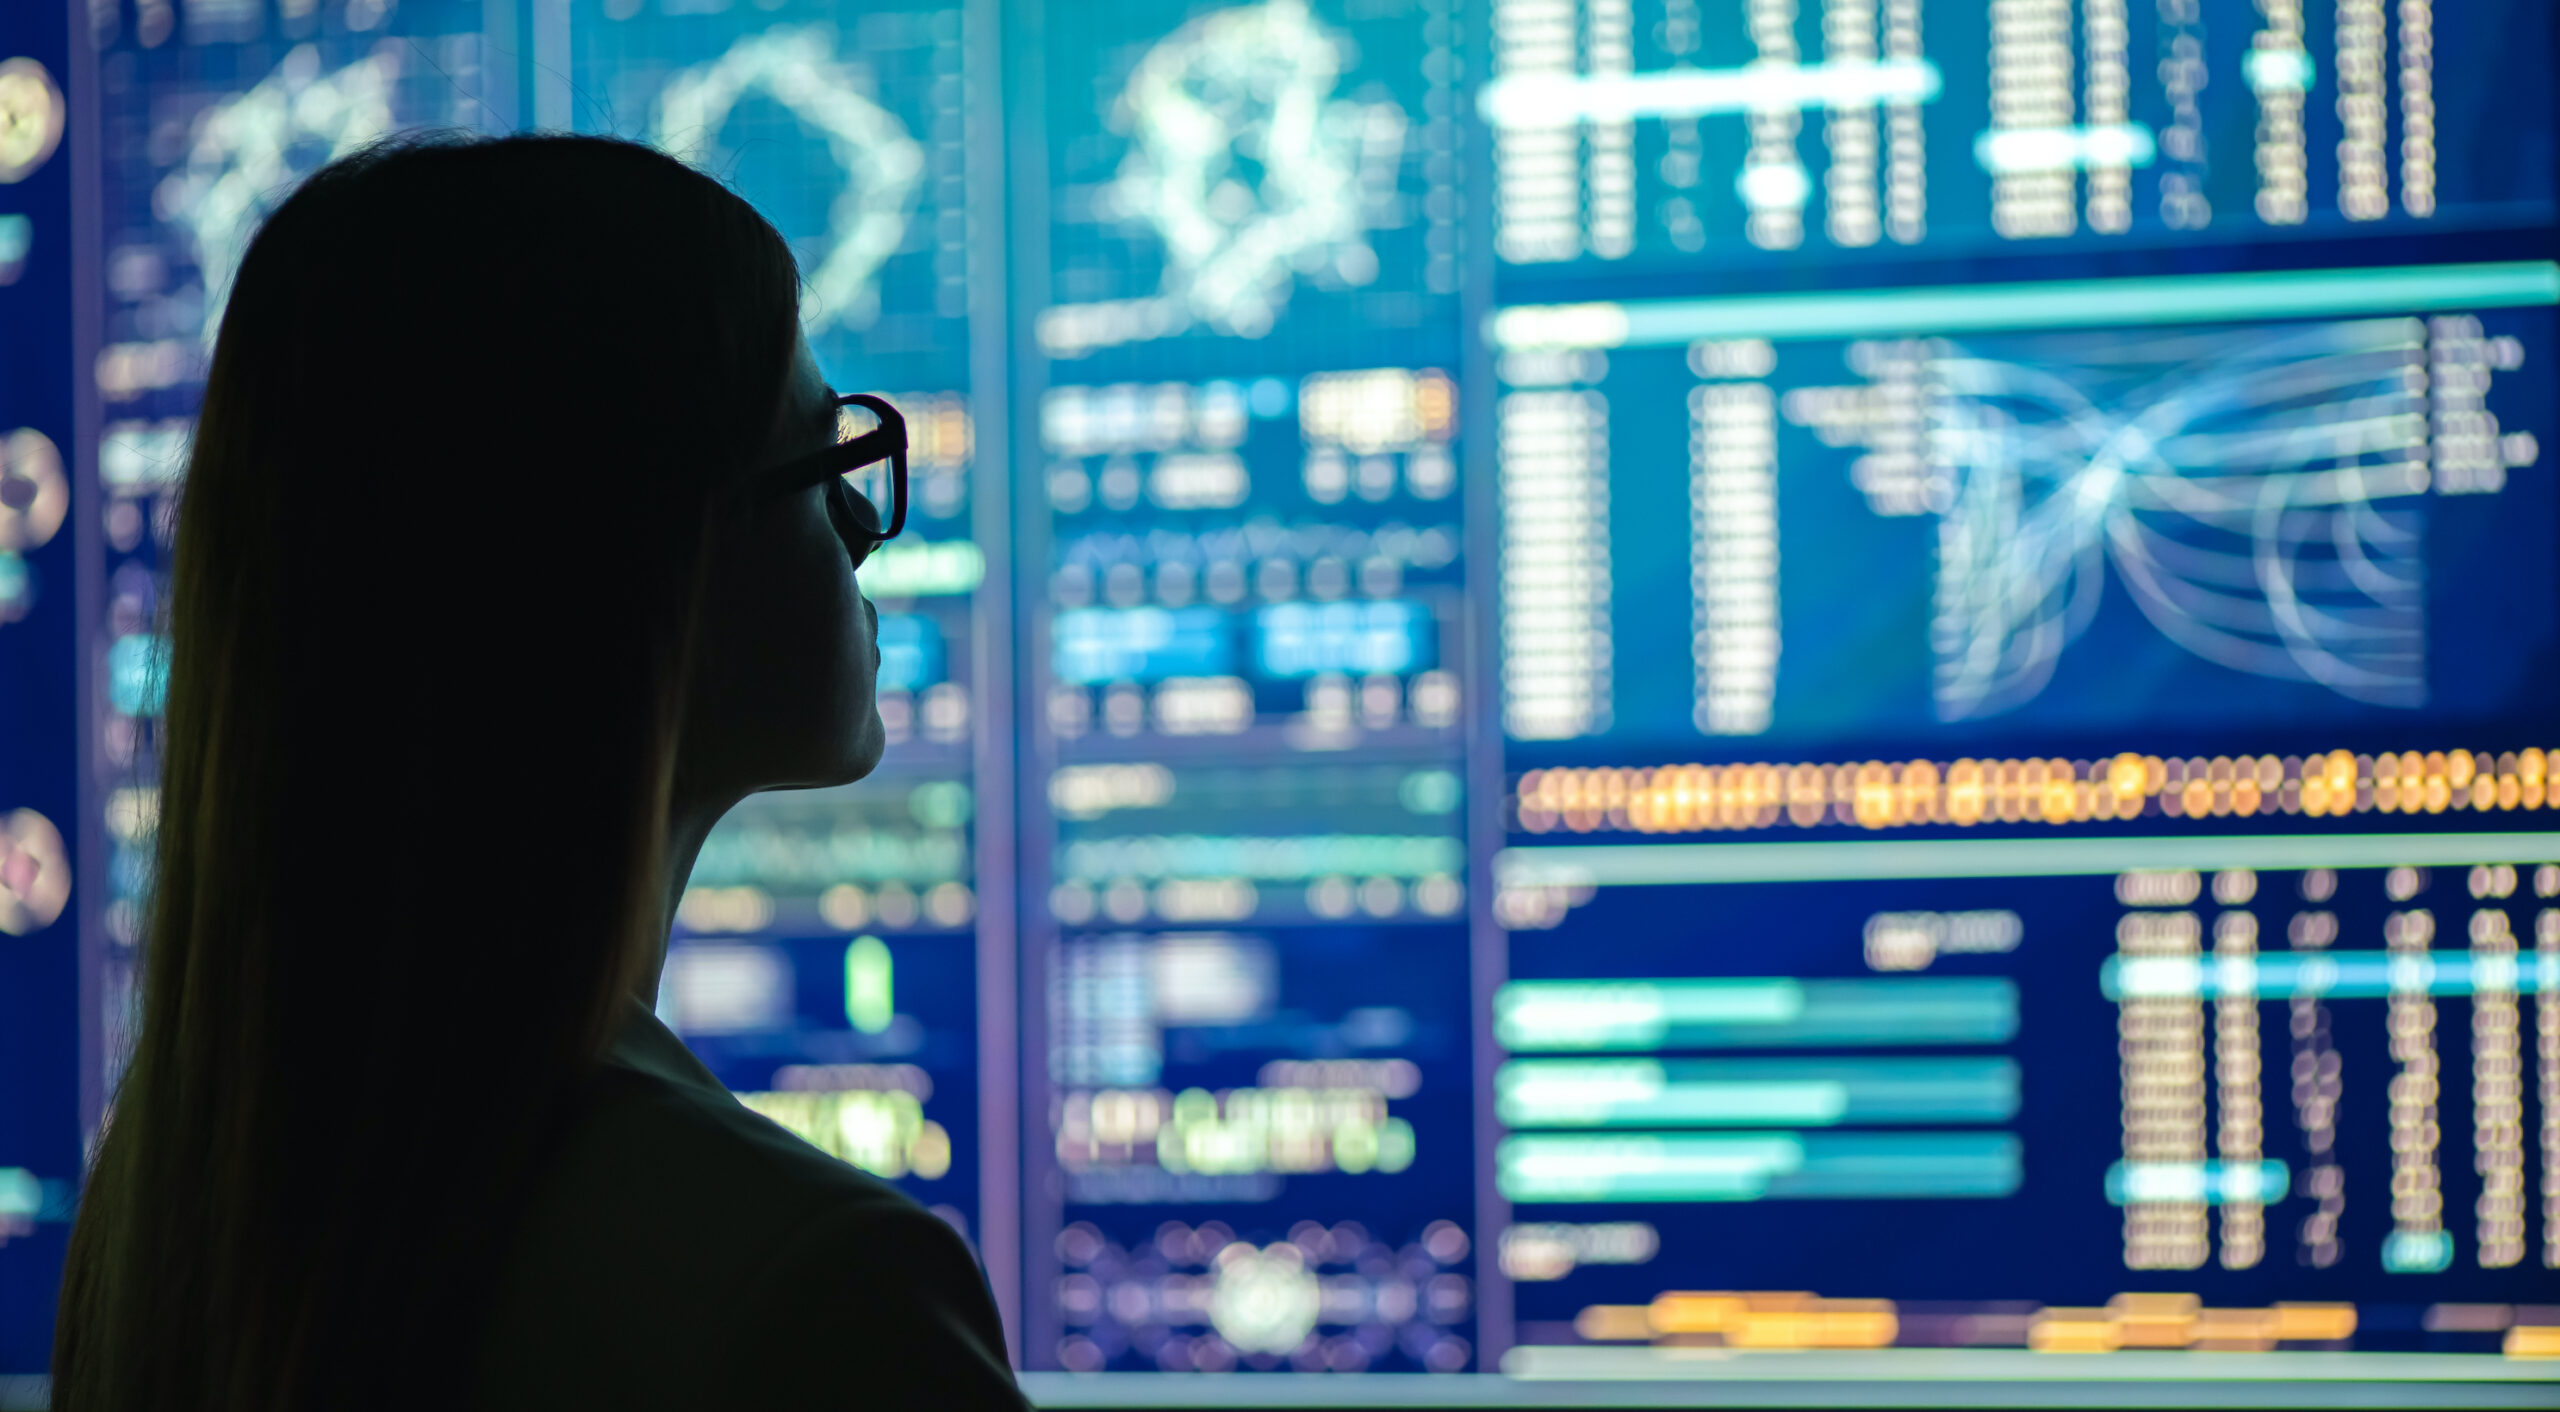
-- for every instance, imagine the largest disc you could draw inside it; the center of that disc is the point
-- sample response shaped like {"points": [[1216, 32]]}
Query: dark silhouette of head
{"points": [[470, 614]]}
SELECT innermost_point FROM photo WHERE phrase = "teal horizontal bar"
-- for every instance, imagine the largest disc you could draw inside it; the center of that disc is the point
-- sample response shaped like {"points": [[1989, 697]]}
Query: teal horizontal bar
{"points": [[1979, 308], [2335, 975], [1766, 1012], [1756, 1166], [2087, 855], [1285, 858], [1656, 1093]]}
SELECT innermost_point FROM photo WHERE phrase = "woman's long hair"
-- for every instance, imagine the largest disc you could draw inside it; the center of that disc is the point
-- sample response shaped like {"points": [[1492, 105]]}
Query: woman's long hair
{"points": [[472, 409]]}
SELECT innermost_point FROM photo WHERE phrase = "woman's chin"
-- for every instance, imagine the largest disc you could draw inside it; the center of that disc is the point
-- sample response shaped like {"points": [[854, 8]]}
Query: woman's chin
{"points": [[870, 742], [856, 754]]}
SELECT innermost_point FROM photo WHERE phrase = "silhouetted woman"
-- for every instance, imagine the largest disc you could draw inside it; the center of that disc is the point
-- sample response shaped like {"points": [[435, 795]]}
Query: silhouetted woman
{"points": [[499, 577]]}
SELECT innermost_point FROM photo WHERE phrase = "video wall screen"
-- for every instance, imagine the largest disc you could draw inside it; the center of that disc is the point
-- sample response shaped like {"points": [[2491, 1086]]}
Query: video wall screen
{"points": [[1577, 680]]}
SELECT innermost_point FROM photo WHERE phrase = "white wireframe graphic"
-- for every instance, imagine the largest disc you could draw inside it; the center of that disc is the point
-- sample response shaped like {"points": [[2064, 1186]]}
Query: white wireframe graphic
{"points": [[2257, 493], [246, 154], [1248, 168], [883, 165]]}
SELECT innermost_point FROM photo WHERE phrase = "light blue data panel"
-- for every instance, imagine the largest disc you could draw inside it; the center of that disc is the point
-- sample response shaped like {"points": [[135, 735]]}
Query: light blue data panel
{"points": [[1248, 432], [912, 652], [1298, 639], [1096, 645], [1246, 686], [1262, 563], [1673, 135]]}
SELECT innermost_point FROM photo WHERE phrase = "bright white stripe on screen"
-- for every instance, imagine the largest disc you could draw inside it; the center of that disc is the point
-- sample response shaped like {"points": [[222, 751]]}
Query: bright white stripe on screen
{"points": [[1546, 100], [2062, 149]]}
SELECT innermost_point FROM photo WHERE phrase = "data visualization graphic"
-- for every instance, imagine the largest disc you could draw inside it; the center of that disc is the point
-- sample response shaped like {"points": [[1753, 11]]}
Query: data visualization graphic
{"points": [[2179, 520], [1253, 172], [883, 165], [2213, 1089], [2226, 494], [2024, 618], [1643, 134], [1846, 691]]}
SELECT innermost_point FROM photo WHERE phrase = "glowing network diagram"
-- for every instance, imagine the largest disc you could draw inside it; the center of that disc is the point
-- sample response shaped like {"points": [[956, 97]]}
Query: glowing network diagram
{"points": [[246, 153], [797, 67], [2257, 493], [1247, 167]]}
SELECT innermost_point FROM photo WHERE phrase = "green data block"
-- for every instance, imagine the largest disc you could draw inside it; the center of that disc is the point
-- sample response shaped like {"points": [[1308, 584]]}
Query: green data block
{"points": [[869, 999]]}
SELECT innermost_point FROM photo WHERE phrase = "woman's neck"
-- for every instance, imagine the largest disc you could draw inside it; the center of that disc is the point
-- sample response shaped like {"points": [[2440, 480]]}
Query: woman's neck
{"points": [[689, 822]]}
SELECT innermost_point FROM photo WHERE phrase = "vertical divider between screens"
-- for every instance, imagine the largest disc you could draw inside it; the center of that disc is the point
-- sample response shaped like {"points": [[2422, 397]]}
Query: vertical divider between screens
{"points": [[501, 66], [88, 298], [994, 746], [548, 94], [1489, 948], [1025, 244]]}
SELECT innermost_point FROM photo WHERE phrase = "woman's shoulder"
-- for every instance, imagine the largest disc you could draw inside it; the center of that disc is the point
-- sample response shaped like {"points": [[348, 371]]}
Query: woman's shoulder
{"points": [[652, 1141], [679, 1243], [658, 1126]]}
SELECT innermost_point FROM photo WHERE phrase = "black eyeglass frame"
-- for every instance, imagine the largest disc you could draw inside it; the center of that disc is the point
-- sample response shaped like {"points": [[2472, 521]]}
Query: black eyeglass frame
{"points": [[885, 442]]}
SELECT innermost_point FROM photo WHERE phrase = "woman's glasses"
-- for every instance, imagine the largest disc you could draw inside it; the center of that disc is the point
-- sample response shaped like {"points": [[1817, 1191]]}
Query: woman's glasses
{"points": [[865, 473]]}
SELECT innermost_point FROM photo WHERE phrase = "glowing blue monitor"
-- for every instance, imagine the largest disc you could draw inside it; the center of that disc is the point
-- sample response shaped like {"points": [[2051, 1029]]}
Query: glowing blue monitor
{"points": [[1825, 690]]}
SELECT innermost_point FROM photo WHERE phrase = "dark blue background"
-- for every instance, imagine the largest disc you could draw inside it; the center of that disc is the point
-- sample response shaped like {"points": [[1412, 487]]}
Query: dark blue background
{"points": [[39, 666]]}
